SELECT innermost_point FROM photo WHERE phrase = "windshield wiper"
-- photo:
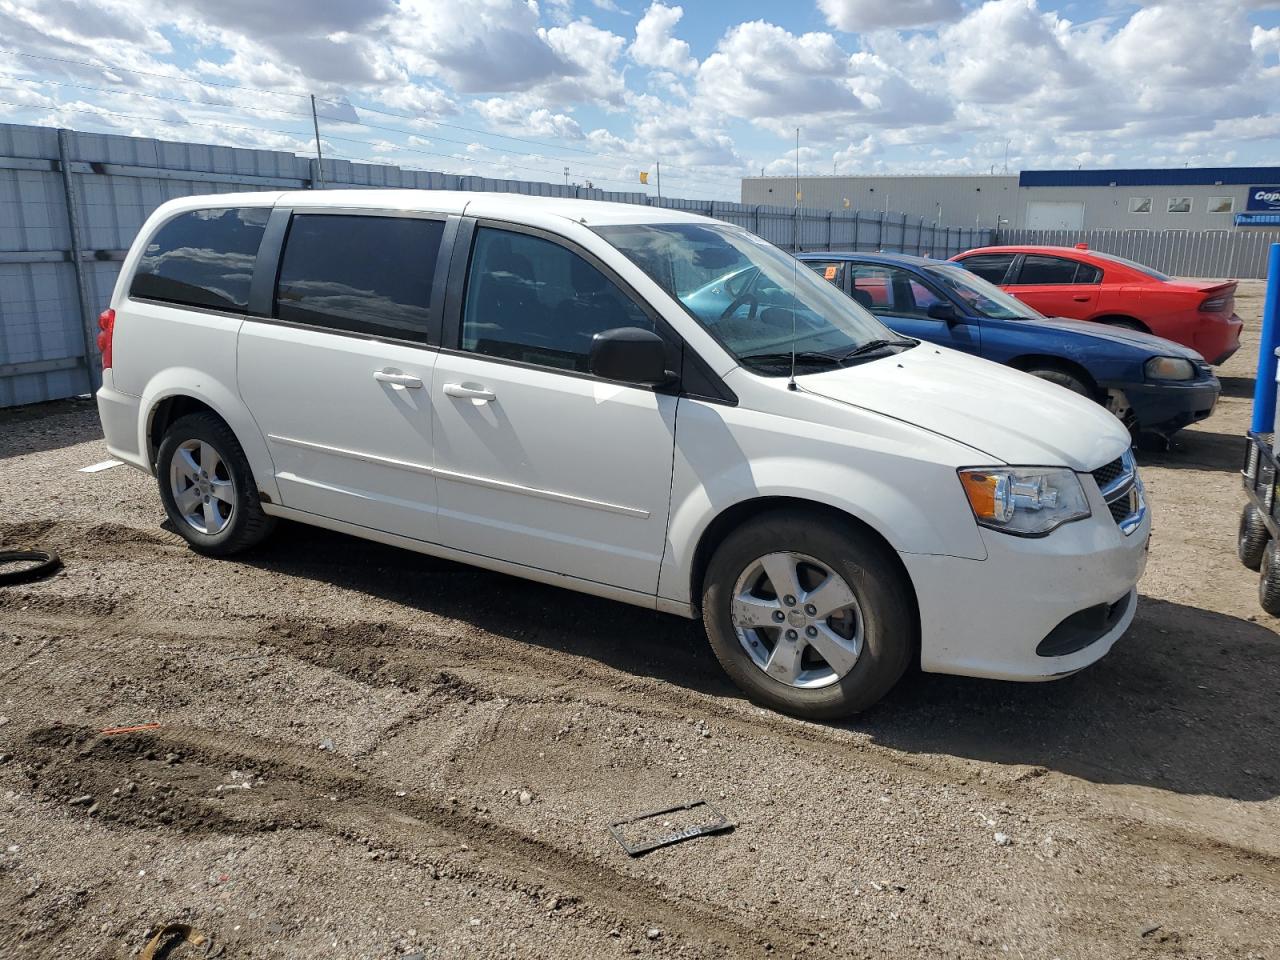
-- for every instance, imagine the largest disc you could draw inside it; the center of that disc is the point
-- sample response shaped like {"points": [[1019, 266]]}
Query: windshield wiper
{"points": [[871, 346], [802, 356]]}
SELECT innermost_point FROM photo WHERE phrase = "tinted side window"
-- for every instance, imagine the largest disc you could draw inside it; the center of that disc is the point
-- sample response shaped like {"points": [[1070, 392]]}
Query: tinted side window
{"points": [[991, 267], [362, 274], [203, 258], [1041, 269], [532, 300], [1085, 273]]}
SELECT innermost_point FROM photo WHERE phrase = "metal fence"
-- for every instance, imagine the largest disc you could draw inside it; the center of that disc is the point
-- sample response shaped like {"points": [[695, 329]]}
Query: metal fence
{"points": [[71, 203], [1240, 254]]}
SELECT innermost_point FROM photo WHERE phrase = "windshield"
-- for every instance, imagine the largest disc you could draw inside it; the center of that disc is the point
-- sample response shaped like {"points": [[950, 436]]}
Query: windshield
{"points": [[756, 300], [983, 298]]}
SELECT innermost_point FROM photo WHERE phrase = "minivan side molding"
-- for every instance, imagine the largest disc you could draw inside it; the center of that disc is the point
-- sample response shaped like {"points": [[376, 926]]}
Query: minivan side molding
{"points": [[488, 482]]}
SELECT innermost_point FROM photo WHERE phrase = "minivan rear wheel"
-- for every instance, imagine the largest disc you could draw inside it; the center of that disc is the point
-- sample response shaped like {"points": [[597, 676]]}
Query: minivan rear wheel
{"points": [[207, 487], [807, 616]]}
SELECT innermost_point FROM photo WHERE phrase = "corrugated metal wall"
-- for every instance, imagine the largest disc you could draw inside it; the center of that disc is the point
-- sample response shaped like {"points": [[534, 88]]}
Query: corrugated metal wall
{"points": [[1181, 253], [71, 203]]}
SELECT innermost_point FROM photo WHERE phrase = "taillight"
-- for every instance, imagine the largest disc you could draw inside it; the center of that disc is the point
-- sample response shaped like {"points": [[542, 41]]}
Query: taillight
{"points": [[106, 327], [1215, 304]]}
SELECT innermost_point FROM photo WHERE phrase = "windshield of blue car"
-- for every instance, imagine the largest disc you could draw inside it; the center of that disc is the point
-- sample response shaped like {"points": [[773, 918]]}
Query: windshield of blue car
{"points": [[756, 300], [982, 298]]}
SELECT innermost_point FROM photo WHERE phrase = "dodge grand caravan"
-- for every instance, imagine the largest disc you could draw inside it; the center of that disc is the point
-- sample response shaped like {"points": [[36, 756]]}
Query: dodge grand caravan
{"points": [[532, 385]]}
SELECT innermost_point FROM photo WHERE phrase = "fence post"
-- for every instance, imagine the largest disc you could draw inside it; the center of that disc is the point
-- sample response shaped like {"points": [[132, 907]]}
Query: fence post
{"points": [[880, 233], [88, 320], [857, 229], [830, 225], [756, 231]]}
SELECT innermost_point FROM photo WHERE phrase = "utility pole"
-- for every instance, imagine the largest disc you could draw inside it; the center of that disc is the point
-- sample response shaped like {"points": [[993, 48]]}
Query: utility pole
{"points": [[658, 166], [315, 122], [566, 176]]}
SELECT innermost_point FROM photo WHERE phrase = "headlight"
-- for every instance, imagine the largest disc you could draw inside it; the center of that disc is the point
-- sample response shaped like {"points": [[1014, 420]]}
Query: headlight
{"points": [[1170, 368], [1025, 501]]}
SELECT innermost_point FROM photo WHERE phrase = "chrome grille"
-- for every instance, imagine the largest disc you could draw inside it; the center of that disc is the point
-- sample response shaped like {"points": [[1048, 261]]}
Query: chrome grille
{"points": [[1121, 488]]}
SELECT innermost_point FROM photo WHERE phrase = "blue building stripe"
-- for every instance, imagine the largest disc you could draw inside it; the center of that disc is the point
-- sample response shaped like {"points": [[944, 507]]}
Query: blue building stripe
{"points": [[1184, 177]]}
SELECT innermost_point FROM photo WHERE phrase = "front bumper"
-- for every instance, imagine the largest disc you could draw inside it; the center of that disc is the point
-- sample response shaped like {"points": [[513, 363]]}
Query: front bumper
{"points": [[985, 618], [1166, 408]]}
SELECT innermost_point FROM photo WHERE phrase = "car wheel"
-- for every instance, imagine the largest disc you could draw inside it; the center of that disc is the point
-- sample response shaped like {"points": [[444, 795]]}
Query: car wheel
{"points": [[1063, 379], [1252, 537], [207, 487], [807, 616]]}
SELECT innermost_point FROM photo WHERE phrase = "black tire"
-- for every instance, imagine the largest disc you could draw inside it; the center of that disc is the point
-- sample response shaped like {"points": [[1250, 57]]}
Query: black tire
{"points": [[1252, 537], [42, 563], [246, 524], [877, 581], [1269, 580], [1063, 379]]}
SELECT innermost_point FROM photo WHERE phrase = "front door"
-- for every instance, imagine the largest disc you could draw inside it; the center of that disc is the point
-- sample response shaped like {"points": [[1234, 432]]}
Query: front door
{"points": [[537, 461], [339, 380], [901, 299], [1056, 286]]}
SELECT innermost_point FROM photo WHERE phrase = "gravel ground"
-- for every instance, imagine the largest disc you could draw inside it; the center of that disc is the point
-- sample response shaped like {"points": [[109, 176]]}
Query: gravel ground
{"points": [[363, 752]]}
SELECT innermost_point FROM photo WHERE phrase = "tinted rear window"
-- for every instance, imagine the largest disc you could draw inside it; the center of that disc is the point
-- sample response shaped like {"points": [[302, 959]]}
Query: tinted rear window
{"points": [[203, 258], [360, 274]]}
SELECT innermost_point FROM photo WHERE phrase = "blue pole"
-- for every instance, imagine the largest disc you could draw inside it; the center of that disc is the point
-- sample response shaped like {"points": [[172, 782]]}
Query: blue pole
{"points": [[1264, 389]]}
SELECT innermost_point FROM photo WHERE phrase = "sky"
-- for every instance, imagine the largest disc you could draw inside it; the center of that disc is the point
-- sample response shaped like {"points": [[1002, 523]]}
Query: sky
{"points": [[713, 91]]}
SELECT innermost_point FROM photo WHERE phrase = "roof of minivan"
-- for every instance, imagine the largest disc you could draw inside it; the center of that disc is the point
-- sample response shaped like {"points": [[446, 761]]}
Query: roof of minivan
{"points": [[499, 205]]}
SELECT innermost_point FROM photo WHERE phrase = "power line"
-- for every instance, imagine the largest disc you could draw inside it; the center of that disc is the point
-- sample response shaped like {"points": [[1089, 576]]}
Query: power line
{"points": [[726, 178]]}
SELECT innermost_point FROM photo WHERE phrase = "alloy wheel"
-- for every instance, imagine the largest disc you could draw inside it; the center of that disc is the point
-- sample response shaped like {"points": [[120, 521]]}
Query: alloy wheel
{"points": [[202, 487], [797, 619]]}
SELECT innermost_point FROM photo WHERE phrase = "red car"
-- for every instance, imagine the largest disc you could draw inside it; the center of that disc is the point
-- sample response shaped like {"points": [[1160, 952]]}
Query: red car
{"points": [[1086, 285]]}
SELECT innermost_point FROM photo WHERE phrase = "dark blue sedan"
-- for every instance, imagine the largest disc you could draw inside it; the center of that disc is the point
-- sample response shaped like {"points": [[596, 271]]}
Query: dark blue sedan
{"points": [[1153, 385]]}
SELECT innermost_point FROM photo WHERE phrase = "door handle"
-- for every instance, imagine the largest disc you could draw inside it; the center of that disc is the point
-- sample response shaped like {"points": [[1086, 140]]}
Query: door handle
{"points": [[399, 379], [463, 392], [1080, 299]]}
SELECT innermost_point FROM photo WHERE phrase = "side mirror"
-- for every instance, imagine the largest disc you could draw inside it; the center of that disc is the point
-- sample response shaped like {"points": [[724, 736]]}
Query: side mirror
{"points": [[630, 355], [939, 310]]}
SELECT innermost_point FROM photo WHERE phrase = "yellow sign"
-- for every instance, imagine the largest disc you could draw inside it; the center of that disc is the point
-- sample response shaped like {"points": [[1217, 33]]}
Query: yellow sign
{"points": [[644, 176]]}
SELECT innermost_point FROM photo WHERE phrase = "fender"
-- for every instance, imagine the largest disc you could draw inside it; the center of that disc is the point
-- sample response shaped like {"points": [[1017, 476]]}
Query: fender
{"points": [[874, 477], [225, 401]]}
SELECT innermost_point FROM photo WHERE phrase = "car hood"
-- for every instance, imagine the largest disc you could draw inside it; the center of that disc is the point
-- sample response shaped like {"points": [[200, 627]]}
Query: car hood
{"points": [[1156, 346], [1008, 415]]}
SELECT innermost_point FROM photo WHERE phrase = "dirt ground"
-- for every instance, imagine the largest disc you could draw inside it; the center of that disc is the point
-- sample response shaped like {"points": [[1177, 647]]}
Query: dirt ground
{"points": [[363, 752]]}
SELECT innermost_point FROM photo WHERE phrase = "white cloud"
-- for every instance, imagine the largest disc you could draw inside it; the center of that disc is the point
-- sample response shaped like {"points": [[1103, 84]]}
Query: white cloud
{"points": [[517, 115], [654, 45], [855, 16]]}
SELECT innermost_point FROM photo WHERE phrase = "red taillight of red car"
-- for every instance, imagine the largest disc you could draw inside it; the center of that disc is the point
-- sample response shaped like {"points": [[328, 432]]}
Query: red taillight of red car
{"points": [[106, 327], [1215, 304]]}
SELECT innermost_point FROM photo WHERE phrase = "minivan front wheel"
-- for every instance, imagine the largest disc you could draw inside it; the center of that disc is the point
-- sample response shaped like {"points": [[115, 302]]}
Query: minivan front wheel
{"points": [[207, 487], [807, 616]]}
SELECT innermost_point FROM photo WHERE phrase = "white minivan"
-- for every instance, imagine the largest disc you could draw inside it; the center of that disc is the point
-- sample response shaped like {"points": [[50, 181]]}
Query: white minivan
{"points": [[637, 403]]}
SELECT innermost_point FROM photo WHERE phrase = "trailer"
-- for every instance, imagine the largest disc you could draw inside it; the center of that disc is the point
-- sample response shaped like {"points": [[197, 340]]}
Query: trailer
{"points": [[1259, 530]]}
